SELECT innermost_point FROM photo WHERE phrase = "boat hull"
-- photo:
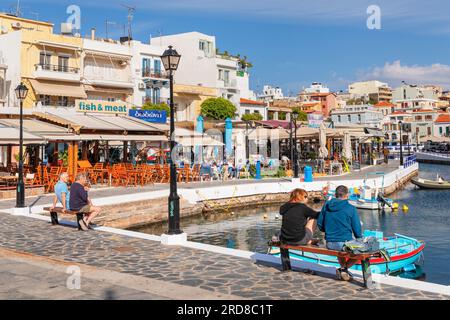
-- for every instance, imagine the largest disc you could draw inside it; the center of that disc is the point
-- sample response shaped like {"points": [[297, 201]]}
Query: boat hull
{"points": [[430, 184], [405, 253]]}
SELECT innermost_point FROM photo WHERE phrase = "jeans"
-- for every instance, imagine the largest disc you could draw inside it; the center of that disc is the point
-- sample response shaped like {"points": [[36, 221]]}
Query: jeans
{"points": [[337, 246]]}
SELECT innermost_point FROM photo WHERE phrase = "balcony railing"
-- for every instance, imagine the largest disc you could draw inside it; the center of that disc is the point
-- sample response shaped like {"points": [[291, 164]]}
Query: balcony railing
{"points": [[56, 68], [152, 73]]}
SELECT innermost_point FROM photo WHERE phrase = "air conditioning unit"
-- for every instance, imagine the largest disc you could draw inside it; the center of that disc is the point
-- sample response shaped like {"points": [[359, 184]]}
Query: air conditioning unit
{"points": [[141, 85], [16, 25], [66, 28]]}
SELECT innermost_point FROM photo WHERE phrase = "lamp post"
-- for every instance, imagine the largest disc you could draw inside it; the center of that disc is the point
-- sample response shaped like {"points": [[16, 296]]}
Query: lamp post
{"points": [[295, 117], [401, 142], [21, 93], [170, 60]]}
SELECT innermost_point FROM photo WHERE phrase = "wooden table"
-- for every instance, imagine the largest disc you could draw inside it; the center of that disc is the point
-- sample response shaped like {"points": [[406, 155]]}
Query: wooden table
{"points": [[8, 179]]}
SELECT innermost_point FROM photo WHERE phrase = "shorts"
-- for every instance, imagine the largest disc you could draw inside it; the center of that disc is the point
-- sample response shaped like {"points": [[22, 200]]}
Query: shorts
{"points": [[308, 237], [85, 209]]}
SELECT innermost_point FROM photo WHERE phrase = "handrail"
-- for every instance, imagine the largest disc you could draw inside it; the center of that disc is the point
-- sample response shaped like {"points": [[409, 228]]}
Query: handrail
{"points": [[58, 68]]}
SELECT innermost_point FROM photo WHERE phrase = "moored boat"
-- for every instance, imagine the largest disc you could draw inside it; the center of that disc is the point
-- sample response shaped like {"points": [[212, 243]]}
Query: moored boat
{"points": [[430, 184], [405, 253]]}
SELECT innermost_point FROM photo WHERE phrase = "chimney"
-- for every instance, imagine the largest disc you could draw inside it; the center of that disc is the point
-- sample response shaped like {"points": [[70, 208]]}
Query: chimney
{"points": [[92, 33]]}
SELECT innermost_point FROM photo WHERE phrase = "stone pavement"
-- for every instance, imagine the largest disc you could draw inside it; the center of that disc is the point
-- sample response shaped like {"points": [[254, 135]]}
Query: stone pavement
{"points": [[218, 275], [104, 191]]}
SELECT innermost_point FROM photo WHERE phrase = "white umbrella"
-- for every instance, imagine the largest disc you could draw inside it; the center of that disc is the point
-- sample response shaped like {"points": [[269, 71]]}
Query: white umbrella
{"points": [[347, 147], [323, 151]]}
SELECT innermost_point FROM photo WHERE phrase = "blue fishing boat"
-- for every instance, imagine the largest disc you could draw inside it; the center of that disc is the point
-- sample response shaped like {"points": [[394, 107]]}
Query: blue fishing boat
{"points": [[367, 199], [405, 252]]}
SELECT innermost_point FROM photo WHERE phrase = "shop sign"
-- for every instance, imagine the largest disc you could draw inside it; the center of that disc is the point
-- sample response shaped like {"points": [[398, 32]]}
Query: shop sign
{"points": [[315, 120], [159, 116], [101, 106]]}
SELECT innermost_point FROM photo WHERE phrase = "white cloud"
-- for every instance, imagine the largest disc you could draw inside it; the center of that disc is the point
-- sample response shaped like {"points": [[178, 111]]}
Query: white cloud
{"points": [[394, 73]]}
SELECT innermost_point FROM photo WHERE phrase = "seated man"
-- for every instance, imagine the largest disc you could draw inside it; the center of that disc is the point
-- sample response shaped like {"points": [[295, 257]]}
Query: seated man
{"points": [[62, 192], [340, 222], [298, 220], [79, 201]]}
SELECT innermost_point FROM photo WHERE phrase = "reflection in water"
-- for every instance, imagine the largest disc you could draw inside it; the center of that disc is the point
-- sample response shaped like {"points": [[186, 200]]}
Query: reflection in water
{"points": [[428, 219]]}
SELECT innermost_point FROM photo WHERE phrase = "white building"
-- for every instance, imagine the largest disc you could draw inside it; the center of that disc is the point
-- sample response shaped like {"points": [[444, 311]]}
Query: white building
{"points": [[271, 93], [442, 125], [151, 81], [370, 90], [3, 88], [412, 92], [249, 106], [316, 87], [106, 71], [202, 72]]}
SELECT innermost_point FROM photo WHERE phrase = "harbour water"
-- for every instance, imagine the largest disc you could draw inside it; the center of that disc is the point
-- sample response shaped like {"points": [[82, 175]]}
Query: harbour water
{"points": [[427, 219]]}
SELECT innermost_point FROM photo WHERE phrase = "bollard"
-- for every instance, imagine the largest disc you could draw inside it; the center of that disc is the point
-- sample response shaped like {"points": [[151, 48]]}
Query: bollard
{"points": [[258, 170]]}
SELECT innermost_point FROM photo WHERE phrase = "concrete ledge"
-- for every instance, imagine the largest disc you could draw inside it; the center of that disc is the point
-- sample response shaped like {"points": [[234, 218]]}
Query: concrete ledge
{"points": [[174, 240]]}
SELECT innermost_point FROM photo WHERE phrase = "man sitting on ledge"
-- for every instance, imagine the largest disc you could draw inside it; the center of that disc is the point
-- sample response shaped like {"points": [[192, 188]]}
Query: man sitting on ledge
{"points": [[79, 201], [62, 192], [340, 222]]}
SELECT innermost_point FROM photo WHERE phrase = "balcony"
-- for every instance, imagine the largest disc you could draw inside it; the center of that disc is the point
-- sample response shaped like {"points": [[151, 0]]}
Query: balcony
{"points": [[56, 72], [155, 74]]}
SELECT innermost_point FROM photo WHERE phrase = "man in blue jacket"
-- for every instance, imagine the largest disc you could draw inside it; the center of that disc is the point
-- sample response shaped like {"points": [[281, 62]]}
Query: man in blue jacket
{"points": [[340, 222]]}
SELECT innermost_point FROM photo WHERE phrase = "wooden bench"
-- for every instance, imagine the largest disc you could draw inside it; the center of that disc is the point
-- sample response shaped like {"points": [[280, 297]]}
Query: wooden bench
{"points": [[54, 215], [363, 258]]}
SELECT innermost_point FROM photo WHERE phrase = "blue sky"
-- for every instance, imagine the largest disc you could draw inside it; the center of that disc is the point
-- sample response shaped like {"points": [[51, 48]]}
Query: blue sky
{"points": [[291, 43]]}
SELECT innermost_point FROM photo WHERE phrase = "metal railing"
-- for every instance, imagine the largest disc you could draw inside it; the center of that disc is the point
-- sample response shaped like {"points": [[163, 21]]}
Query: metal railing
{"points": [[409, 161], [152, 73], [56, 68]]}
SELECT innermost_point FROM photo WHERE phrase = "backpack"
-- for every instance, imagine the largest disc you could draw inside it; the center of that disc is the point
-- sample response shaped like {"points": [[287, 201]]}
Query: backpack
{"points": [[369, 244]]}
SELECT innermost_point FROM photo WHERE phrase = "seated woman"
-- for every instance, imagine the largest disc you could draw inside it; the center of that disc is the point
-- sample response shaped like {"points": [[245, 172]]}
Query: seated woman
{"points": [[298, 220]]}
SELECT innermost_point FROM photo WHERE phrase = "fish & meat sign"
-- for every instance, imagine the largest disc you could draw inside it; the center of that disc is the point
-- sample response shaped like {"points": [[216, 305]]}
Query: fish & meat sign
{"points": [[158, 116], [101, 106]]}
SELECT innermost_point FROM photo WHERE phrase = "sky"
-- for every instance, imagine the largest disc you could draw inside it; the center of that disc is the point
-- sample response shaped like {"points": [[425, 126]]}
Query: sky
{"points": [[290, 43]]}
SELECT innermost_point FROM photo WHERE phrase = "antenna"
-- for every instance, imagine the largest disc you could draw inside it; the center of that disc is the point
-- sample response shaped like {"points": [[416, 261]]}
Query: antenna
{"points": [[106, 26], [131, 11]]}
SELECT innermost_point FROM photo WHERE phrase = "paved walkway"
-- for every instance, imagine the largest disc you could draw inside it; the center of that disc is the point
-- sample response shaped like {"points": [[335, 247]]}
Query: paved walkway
{"points": [[102, 192], [218, 276]]}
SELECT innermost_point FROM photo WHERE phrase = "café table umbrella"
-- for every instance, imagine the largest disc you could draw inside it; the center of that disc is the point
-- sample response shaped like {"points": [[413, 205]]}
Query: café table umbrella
{"points": [[347, 147], [323, 151]]}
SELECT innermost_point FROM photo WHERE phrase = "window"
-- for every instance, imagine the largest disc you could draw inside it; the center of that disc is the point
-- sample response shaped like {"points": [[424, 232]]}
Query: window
{"points": [[226, 77], [349, 118], [44, 100], [418, 118], [111, 99], [256, 111], [359, 118], [45, 60], [63, 101], [157, 64], [220, 74], [428, 118], [146, 67], [247, 111], [429, 131], [440, 130], [206, 47], [63, 64], [156, 98], [339, 118]]}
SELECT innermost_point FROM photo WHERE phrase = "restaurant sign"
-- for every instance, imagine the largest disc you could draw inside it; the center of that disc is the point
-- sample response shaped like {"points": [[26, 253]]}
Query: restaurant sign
{"points": [[159, 116], [101, 106]]}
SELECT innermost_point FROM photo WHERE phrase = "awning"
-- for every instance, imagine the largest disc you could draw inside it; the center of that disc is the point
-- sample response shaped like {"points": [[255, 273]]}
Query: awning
{"points": [[107, 55], [35, 126], [56, 119], [198, 141], [112, 137], [90, 88], [10, 136], [58, 89]]}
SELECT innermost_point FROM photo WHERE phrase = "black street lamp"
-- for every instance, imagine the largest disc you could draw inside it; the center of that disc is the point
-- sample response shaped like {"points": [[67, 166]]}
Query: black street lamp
{"points": [[295, 117], [401, 142], [170, 60], [21, 94]]}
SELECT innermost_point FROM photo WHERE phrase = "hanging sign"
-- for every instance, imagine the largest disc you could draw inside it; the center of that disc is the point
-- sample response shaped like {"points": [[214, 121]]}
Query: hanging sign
{"points": [[158, 116]]}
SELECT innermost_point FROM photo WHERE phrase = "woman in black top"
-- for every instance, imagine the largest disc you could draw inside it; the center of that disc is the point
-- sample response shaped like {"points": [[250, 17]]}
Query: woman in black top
{"points": [[298, 220]]}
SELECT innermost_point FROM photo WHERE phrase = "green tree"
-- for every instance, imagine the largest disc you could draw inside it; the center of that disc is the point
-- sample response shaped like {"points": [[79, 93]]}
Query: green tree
{"points": [[217, 109], [252, 117], [153, 106], [302, 115]]}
